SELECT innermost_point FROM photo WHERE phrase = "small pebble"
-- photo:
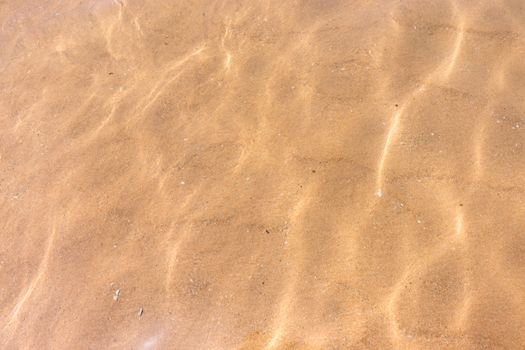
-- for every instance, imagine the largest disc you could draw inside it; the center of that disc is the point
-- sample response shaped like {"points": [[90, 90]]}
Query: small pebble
{"points": [[116, 295]]}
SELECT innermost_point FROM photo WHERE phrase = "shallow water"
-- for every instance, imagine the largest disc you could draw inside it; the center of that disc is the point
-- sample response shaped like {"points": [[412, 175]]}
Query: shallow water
{"points": [[262, 175]]}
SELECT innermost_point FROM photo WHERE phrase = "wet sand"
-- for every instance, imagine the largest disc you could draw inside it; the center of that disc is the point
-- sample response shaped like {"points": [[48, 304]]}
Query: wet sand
{"points": [[262, 174]]}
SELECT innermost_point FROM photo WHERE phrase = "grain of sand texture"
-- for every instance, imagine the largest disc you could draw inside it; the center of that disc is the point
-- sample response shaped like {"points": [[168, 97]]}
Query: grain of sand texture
{"points": [[303, 174]]}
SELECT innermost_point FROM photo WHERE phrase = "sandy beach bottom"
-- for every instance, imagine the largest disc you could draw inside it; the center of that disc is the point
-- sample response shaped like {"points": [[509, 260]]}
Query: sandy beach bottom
{"points": [[262, 174]]}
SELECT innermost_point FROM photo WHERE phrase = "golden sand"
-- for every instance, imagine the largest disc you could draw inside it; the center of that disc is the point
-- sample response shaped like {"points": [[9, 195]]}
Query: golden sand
{"points": [[315, 174]]}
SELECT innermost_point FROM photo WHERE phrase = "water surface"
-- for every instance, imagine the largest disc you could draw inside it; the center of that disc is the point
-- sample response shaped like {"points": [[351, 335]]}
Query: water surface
{"points": [[262, 174]]}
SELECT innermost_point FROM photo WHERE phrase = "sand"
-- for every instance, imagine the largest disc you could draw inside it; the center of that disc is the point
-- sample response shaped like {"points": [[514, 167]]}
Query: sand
{"points": [[262, 174]]}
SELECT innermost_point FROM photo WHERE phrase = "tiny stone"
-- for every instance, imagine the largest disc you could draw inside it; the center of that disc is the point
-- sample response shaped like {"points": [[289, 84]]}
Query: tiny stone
{"points": [[116, 295], [141, 312], [380, 193]]}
